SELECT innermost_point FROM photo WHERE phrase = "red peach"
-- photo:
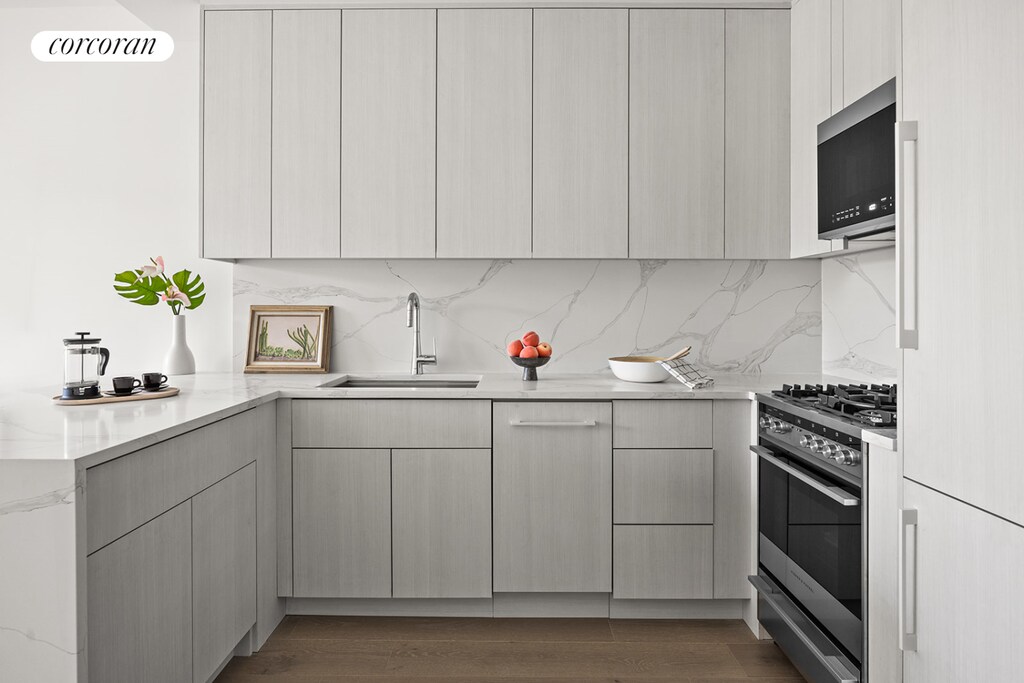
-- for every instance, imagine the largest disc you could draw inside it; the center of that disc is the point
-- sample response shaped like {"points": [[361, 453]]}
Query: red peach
{"points": [[531, 338], [544, 349], [528, 352], [515, 347]]}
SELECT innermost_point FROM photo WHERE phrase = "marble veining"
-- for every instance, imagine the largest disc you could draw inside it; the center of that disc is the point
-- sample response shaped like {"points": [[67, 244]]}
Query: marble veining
{"points": [[739, 316], [64, 496], [858, 335]]}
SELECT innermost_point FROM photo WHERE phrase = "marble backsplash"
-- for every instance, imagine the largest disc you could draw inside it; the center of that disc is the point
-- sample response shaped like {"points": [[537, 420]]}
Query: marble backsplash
{"points": [[858, 335], [739, 316]]}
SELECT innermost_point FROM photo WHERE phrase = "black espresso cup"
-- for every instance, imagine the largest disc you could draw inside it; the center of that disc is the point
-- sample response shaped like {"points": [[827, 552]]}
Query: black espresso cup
{"points": [[152, 380], [125, 385]]}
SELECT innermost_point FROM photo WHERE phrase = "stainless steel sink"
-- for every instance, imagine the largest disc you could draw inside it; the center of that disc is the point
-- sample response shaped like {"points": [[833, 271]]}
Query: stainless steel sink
{"points": [[424, 382]]}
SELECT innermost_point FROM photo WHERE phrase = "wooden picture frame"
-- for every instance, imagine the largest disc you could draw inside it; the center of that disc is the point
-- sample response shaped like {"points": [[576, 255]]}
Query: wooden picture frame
{"points": [[289, 339]]}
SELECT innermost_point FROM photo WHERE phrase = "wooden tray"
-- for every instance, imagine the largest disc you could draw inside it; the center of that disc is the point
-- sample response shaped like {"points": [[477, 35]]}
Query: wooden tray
{"points": [[141, 396]]}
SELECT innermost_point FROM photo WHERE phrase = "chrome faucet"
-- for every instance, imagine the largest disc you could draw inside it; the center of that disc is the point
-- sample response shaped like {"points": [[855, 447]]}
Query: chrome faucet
{"points": [[412, 319]]}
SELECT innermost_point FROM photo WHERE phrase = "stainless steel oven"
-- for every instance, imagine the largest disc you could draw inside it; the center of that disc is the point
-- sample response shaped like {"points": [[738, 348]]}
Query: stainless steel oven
{"points": [[810, 577]]}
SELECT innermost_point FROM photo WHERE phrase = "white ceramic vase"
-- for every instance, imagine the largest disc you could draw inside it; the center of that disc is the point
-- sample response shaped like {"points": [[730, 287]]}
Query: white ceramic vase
{"points": [[179, 359]]}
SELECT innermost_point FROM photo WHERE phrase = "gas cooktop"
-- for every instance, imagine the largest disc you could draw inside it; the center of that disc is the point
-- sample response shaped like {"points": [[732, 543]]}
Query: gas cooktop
{"points": [[872, 405]]}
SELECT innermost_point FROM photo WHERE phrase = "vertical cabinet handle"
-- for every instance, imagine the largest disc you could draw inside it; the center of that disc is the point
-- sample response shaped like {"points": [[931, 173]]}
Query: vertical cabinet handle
{"points": [[906, 234], [908, 580]]}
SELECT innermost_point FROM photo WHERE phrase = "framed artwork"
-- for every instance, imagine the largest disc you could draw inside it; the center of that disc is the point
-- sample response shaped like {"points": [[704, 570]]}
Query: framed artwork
{"points": [[289, 339]]}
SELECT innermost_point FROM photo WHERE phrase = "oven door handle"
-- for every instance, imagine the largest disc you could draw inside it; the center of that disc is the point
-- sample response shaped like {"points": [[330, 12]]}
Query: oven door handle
{"points": [[835, 665], [834, 492]]}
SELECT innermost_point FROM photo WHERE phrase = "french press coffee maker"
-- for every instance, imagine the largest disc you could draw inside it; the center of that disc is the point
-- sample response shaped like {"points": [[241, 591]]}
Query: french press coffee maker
{"points": [[81, 370]]}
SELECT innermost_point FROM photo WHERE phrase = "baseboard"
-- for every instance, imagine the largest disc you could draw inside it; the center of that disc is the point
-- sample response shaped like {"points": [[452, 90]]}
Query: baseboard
{"points": [[536, 605], [576, 605], [676, 609], [391, 607]]}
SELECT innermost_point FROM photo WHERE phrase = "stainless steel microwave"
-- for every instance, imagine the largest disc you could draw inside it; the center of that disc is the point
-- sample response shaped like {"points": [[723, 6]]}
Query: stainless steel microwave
{"points": [[857, 167]]}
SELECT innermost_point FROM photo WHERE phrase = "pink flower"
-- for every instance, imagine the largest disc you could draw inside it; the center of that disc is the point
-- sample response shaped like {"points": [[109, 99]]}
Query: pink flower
{"points": [[175, 294], [154, 270]]}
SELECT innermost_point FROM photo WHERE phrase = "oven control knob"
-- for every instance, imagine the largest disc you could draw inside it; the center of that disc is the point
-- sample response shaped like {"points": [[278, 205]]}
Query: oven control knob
{"points": [[780, 427], [764, 422], [817, 445], [847, 457], [805, 441], [829, 450]]}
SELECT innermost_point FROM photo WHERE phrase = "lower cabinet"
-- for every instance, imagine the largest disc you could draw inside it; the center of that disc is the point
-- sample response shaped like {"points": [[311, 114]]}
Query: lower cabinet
{"points": [[441, 523], [552, 497], [341, 508], [223, 569], [670, 561], [963, 591], [139, 592], [381, 523]]}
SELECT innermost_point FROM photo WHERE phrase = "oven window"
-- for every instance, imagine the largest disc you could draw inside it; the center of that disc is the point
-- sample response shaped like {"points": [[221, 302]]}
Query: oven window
{"points": [[819, 534]]}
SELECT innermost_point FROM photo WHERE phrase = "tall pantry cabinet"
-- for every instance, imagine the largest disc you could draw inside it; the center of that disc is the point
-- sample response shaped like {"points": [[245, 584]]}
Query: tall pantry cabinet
{"points": [[961, 296]]}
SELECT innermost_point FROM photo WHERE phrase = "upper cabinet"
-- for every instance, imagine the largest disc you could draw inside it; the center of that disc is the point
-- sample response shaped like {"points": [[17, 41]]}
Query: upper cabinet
{"points": [[676, 133], [484, 133], [757, 134], [871, 46], [236, 134], [388, 133], [841, 50], [580, 133], [306, 134], [496, 133], [810, 104]]}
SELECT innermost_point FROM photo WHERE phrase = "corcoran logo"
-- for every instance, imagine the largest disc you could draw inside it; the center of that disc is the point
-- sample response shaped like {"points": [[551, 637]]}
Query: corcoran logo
{"points": [[102, 46]]}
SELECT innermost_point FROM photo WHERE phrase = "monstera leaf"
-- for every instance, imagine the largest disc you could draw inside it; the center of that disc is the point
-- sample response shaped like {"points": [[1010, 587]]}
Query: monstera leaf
{"points": [[191, 285], [145, 291]]}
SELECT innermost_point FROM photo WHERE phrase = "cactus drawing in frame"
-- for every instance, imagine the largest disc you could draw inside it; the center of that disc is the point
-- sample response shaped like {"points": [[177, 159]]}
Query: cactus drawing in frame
{"points": [[289, 339]]}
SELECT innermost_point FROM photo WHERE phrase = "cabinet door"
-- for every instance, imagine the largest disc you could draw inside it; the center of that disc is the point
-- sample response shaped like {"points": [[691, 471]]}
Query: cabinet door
{"points": [[581, 129], [676, 133], [484, 133], [810, 104], [388, 133], [236, 134], [664, 486], [757, 134], [306, 186], [967, 592], [341, 512], [663, 561], [441, 523], [552, 497], [968, 285], [223, 569], [140, 603], [871, 46]]}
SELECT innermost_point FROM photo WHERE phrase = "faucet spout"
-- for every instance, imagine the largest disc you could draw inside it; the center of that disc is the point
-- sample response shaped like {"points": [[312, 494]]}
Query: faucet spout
{"points": [[412, 311]]}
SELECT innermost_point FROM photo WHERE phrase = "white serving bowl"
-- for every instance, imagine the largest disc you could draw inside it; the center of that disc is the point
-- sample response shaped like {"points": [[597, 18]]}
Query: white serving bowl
{"points": [[638, 368]]}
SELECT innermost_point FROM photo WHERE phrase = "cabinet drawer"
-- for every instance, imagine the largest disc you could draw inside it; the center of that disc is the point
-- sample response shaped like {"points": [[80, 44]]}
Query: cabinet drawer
{"points": [[668, 486], [391, 423], [133, 489], [662, 424], [667, 562]]}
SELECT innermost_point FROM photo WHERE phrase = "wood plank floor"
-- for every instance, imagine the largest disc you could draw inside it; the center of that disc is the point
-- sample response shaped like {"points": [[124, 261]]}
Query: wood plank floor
{"points": [[433, 650]]}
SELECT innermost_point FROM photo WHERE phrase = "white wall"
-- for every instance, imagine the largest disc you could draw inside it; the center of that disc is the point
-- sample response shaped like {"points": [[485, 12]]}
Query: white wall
{"points": [[99, 169], [858, 330]]}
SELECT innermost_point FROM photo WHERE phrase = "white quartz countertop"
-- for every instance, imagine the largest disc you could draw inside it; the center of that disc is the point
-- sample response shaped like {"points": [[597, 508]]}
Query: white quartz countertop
{"points": [[32, 427]]}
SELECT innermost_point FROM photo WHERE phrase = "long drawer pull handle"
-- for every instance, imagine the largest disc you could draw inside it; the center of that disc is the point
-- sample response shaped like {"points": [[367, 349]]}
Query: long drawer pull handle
{"points": [[833, 492], [908, 581], [528, 423]]}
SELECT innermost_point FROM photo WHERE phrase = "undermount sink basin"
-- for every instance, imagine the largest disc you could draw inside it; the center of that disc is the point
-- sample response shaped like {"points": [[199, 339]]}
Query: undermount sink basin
{"points": [[424, 382]]}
